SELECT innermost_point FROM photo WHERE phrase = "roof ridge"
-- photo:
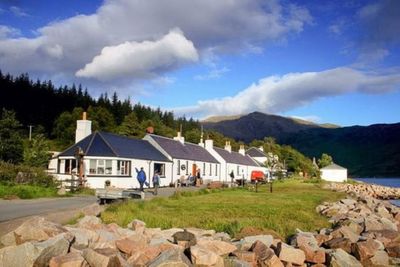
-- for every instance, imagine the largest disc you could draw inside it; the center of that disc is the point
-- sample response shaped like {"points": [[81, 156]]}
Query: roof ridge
{"points": [[108, 144]]}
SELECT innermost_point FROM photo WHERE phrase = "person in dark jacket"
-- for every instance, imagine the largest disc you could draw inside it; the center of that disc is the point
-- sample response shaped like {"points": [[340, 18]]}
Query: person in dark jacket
{"points": [[141, 177], [156, 182]]}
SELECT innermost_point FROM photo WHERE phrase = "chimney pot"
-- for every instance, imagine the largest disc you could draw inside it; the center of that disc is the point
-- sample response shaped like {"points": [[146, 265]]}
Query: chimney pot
{"points": [[84, 115]]}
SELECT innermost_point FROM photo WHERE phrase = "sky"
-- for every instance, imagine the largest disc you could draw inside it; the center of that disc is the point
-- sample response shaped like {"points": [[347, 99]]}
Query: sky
{"points": [[324, 61]]}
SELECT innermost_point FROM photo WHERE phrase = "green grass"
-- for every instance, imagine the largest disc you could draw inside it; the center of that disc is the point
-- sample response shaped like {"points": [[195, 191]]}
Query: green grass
{"points": [[26, 191], [75, 219], [290, 206]]}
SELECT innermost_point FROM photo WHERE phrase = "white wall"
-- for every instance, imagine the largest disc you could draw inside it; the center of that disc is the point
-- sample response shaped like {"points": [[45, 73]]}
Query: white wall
{"points": [[176, 174], [334, 175], [98, 181]]}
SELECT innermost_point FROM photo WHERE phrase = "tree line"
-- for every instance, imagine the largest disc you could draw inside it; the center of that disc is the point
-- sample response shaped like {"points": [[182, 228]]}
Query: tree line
{"points": [[54, 111]]}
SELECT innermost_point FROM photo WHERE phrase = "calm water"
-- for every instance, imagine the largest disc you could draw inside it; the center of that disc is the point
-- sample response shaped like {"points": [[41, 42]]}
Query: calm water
{"points": [[392, 182]]}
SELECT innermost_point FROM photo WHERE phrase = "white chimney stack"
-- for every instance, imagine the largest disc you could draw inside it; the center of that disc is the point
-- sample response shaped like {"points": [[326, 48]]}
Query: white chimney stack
{"points": [[228, 146], [261, 148], [180, 138], [241, 150], [83, 128], [209, 144]]}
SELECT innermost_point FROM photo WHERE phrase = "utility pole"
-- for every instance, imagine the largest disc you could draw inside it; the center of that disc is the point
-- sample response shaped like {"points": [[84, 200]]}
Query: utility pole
{"points": [[30, 132]]}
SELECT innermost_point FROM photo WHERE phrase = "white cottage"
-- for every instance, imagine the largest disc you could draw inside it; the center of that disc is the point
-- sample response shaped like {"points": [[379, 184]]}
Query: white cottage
{"points": [[187, 158], [334, 173], [106, 156], [230, 161]]}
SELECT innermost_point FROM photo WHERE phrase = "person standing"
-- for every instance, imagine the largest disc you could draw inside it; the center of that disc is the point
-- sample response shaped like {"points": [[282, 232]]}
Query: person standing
{"points": [[141, 177], [156, 182]]}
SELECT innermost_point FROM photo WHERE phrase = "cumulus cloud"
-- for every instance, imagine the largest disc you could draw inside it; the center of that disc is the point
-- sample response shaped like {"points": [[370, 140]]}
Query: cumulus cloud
{"points": [[18, 12], [6, 32], [141, 59], [78, 44], [214, 73], [276, 94]]}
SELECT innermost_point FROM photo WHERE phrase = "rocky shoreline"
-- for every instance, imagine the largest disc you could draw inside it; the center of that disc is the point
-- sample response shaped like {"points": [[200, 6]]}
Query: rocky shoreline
{"points": [[365, 233]]}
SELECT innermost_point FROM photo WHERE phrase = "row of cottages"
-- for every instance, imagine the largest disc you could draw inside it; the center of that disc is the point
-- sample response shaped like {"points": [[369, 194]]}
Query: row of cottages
{"points": [[107, 156]]}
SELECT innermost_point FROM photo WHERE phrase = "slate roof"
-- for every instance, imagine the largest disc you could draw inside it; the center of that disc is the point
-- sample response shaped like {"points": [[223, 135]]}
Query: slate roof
{"points": [[333, 166], [186, 151], [235, 157], [104, 144], [255, 152]]}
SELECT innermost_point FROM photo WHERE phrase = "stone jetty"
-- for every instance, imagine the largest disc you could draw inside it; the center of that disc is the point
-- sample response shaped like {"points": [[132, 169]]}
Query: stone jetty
{"points": [[365, 232]]}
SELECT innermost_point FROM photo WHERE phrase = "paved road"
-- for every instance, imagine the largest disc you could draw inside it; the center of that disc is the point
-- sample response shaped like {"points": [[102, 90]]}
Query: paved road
{"points": [[19, 208]]}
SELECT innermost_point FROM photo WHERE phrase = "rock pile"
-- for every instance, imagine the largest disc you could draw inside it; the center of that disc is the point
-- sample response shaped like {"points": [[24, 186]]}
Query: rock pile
{"points": [[365, 227], [365, 233], [371, 190]]}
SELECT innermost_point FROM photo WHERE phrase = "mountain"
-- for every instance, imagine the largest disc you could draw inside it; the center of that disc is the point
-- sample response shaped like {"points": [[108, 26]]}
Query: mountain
{"points": [[366, 151]]}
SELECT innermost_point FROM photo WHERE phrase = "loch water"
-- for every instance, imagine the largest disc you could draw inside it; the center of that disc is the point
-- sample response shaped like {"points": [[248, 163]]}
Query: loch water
{"points": [[391, 182]]}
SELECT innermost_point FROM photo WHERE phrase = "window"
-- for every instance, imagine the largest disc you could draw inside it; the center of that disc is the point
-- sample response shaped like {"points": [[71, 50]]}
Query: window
{"points": [[216, 169], [204, 168], [179, 167], [160, 169], [210, 170], [187, 167], [124, 167], [69, 166], [100, 167], [238, 170]]}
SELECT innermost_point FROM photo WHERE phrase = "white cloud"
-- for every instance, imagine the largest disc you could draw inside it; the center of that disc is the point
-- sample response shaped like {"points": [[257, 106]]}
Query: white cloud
{"points": [[67, 46], [276, 94], [214, 73], [141, 60], [6, 32], [18, 12]]}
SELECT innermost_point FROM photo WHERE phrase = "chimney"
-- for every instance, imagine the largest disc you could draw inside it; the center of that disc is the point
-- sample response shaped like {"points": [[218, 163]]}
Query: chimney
{"points": [[261, 148], [83, 128], [209, 144], [241, 150], [228, 146], [179, 138]]}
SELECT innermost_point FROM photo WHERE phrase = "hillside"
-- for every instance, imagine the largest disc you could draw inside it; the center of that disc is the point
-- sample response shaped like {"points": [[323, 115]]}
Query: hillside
{"points": [[365, 150]]}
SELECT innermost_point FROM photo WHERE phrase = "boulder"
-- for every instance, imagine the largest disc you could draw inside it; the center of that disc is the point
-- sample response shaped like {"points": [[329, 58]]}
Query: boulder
{"points": [[127, 246], [381, 258], [234, 262], [92, 210], [201, 232], [261, 250], [339, 258], [35, 253], [171, 258], [346, 232], [137, 225], [83, 237], [388, 224], [364, 249], [313, 255], [55, 246], [204, 257], [34, 229], [247, 256], [144, 256], [101, 257], [167, 233], [185, 236], [73, 259], [219, 247], [339, 243], [393, 249], [247, 242], [222, 236], [90, 222], [272, 261], [289, 254]]}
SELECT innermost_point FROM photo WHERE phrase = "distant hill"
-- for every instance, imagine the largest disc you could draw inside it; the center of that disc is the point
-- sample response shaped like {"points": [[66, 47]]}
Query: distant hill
{"points": [[365, 150]]}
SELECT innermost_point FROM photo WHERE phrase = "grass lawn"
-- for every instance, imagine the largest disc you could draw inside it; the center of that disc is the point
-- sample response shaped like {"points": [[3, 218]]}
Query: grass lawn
{"points": [[290, 206], [26, 191]]}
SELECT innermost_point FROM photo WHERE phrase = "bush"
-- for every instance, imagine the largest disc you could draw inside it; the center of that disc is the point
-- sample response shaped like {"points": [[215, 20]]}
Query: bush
{"points": [[11, 174]]}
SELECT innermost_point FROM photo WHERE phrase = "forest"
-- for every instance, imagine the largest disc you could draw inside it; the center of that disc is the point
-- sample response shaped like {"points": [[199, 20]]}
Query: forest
{"points": [[52, 112]]}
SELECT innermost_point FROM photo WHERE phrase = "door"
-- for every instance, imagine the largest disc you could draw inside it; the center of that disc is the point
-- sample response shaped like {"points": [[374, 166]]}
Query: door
{"points": [[194, 169]]}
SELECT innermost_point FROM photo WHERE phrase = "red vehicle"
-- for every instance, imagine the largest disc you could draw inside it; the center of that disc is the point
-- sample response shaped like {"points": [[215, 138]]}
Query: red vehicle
{"points": [[257, 176]]}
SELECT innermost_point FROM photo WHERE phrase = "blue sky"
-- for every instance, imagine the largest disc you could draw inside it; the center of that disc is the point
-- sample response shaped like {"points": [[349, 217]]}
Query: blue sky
{"points": [[326, 61]]}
